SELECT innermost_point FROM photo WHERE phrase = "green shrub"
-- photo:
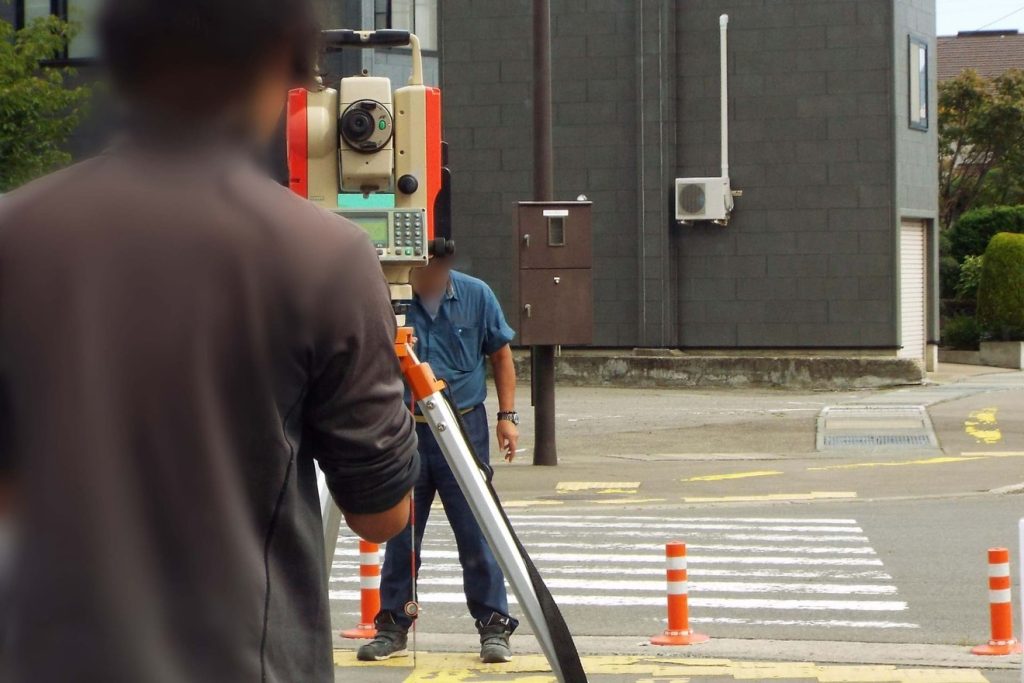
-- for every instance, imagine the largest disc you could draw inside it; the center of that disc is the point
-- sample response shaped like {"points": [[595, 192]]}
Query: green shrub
{"points": [[970, 277], [961, 333], [1001, 291], [971, 234], [949, 276]]}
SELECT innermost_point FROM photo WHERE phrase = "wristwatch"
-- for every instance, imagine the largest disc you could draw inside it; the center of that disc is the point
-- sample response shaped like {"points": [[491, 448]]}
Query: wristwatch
{"points": [[511, 416]]}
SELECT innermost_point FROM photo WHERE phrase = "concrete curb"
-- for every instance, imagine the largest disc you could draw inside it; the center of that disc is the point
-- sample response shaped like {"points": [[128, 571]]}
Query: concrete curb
{"points": [[675, 371], [818, 652]]}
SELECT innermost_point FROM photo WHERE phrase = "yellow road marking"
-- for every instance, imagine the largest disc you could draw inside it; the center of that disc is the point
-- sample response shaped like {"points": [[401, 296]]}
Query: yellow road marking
{"points": [[431, 666], [941, 460], [735, 475], [776, 497], [603, 487], [981, 424], [995, 454]]}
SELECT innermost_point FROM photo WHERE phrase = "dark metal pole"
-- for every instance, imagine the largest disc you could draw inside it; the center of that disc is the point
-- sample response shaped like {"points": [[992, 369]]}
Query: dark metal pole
{"points": [[545, 451]]}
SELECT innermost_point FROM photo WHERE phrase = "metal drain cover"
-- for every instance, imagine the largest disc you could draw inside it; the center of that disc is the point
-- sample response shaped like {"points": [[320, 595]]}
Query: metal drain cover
{"points": [[875, 427]]}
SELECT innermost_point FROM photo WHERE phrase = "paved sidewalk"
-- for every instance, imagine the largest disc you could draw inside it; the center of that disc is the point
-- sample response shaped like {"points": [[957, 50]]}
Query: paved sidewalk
{"points": [[654, 668]]}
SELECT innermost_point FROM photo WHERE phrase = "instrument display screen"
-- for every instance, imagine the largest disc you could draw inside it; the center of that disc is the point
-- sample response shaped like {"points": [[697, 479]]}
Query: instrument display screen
{"points": [[375, 225]]}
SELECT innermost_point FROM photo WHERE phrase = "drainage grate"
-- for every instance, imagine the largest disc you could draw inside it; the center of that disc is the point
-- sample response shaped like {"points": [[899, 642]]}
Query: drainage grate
{"points": [[875, 440], [875, 427]]}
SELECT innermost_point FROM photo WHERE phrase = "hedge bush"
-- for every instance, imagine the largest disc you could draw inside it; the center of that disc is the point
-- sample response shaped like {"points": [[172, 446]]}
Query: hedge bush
{"points": [[1001, 290], [971, 234], [961, 333]]}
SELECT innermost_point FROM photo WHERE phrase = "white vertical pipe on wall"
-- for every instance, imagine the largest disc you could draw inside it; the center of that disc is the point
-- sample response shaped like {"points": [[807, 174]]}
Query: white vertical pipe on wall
{"points": [[723, 23]]}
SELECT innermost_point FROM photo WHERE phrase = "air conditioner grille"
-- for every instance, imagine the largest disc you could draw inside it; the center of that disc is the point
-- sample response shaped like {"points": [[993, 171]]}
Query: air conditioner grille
{"points": [[692, 199]]}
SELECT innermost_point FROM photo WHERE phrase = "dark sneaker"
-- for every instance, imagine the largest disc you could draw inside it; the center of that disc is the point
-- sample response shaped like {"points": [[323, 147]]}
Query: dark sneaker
{"points": [[494, 647], [391, 641]]}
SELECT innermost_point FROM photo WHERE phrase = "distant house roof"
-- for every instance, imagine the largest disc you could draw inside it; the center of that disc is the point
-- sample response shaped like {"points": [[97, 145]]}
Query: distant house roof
{"points": [[990, 53]]}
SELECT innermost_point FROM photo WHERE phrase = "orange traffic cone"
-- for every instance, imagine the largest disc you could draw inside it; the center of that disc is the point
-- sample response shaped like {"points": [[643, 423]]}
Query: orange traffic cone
{"points": [[369, 591], [678, 631], [1000, 606]]}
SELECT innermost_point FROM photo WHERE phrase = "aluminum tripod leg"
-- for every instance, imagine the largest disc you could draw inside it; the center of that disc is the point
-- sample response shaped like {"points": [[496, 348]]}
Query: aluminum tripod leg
{"points": [[444, 424], [331, 516]]}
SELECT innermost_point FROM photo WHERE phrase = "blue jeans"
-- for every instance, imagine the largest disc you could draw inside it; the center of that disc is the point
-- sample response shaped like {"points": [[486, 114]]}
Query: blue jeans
{"points": [[482, 579]]}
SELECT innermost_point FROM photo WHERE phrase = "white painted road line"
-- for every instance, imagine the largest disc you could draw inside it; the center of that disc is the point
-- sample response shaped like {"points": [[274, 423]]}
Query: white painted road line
{"points": [[695, 586], [659, 601], [681, 526], [345, 568], [751, 520], [810, 550], [693, 559], [820, 623]]}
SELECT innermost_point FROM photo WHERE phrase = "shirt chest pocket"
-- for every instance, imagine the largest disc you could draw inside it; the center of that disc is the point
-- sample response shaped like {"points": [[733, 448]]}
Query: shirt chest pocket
{"points": [[466, 346]]}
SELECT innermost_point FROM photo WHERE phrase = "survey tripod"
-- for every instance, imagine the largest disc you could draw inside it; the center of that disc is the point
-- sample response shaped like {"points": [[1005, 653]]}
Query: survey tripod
{"points": [[474, 479]]}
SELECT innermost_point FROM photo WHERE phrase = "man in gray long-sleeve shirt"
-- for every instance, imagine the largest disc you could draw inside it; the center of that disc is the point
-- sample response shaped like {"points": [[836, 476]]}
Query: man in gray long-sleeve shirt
{"points": [[182, 341]]}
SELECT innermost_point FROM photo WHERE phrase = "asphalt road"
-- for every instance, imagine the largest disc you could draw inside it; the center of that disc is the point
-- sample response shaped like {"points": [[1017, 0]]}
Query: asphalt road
{"points": [[879, 546]]}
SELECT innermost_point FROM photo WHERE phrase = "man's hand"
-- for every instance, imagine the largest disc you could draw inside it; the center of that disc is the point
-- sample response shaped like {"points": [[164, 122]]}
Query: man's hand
{"points": [[508, 439]]}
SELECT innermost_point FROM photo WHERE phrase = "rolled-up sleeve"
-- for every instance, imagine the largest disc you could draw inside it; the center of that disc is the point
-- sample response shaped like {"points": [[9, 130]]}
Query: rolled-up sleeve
{"points": [[497, 332], [362, 433]]}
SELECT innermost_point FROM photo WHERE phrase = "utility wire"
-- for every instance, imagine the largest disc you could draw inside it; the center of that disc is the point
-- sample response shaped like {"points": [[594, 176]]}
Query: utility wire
{"points": [[1016, 11]]}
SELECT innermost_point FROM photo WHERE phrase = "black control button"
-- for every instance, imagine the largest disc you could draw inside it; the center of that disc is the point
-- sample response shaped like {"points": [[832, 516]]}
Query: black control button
{"points": [[408, 184]]}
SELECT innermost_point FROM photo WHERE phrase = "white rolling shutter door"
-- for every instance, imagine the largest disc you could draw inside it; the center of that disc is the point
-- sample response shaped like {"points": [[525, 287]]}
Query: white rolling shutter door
{"points": [[912, 290]]}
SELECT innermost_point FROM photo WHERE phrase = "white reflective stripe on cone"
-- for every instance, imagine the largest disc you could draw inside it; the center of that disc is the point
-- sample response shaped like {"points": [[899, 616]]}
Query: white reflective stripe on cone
{"points": [[997, 570], [676, 563], [369, 582], [677, 588], [999, 596], [371, 559]]}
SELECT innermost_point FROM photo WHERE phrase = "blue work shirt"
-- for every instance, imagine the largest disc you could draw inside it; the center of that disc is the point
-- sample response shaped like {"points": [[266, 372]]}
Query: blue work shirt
{"points": [[469, 327]]}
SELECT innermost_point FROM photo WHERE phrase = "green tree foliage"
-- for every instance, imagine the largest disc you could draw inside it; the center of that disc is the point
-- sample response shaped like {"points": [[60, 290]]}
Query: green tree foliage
{"points": [[1001, 290], [973, 231], [970, 277], [981, 142], [38, 109]]}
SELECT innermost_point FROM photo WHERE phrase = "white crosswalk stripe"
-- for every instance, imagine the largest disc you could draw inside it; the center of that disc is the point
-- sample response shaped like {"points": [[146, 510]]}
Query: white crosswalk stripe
{"points": [[744, 571]]}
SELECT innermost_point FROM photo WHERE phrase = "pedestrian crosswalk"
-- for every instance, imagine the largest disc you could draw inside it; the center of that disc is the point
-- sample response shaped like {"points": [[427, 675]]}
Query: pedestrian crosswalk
{"points": [[796, 572]]}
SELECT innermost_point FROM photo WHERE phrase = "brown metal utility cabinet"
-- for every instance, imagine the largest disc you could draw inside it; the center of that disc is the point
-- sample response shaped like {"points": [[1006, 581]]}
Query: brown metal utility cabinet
{"points": [[555, 260]]}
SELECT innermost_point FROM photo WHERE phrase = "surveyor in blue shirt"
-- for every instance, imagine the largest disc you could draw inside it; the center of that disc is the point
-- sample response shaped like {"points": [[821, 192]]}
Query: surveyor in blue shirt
{"points": [[458, 324]]}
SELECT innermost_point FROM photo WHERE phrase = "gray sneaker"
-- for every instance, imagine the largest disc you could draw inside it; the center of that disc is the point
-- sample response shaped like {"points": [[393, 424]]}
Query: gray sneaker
{"points": [[391, 641], [494, 647]]}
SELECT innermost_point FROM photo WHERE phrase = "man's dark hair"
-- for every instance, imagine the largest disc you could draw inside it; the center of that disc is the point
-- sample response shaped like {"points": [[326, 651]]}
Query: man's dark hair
{"points": [[213, 49]]}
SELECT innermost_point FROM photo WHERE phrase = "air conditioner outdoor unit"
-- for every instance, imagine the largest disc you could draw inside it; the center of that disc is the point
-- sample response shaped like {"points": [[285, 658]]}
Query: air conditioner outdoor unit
{"points": [[703, 199], [711, 199]]}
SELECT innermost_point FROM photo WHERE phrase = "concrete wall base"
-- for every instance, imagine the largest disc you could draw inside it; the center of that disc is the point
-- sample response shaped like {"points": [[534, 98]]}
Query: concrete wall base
{"points": [[626, 369], [959, 357], [1003, 354]]}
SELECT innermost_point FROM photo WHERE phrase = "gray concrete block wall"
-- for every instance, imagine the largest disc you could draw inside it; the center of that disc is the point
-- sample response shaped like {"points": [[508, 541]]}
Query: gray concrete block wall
{"points": [[809, 259], [486, 81], [809, 251]]}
